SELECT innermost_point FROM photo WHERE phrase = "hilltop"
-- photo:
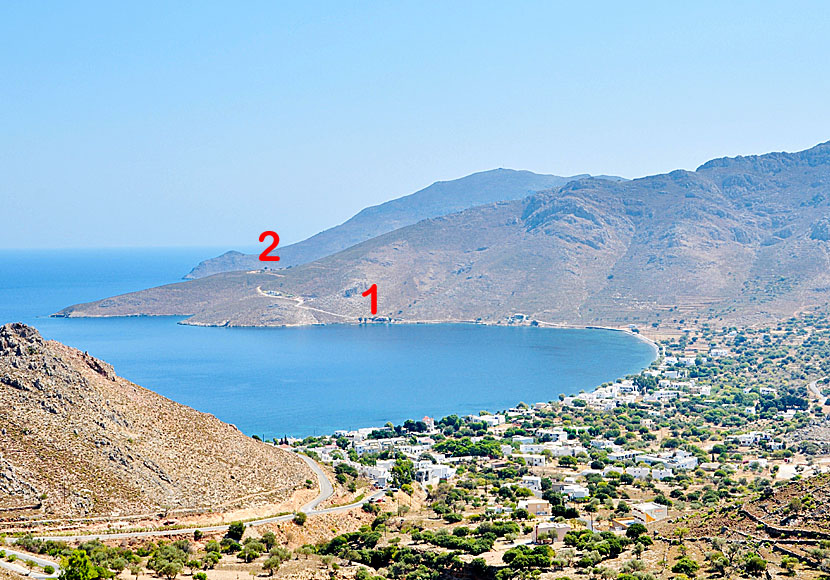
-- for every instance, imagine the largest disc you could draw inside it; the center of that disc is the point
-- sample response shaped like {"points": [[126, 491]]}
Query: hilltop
{"points": [[740, 239], [76, 439], [440, 198]]}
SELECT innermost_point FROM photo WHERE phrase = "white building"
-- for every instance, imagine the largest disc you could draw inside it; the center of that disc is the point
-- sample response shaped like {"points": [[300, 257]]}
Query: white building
{"points": [[623, 455], [431, 473], [532, 482], [751, 438], [489, 420], [649, 512], [638, 472], [554, 435], [575, 491], [661, 474], [677, 460], [532, 460]]}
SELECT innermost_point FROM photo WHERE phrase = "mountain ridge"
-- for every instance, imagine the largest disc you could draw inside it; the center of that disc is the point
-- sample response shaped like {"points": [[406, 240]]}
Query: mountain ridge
{"points": [[740, 238], [439, 198]]}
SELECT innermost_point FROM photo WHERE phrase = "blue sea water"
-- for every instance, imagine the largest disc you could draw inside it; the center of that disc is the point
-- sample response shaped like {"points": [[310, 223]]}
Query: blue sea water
{"points": [[303, 381]]}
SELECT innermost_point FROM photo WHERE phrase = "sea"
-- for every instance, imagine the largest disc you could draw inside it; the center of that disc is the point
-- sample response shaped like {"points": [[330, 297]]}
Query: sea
{"points": [[298, 382]]}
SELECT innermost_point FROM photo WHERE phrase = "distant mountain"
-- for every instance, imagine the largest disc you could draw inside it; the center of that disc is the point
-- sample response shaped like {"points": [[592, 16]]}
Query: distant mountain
{"points": [[78, 440], [743, 239], [440, 198]]}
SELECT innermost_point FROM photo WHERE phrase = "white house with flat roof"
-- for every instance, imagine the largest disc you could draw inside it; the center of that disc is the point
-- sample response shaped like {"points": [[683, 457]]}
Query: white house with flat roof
{"points": [[531, 459], [432, 473], [532, 482], [649, 512], [575, 491]]}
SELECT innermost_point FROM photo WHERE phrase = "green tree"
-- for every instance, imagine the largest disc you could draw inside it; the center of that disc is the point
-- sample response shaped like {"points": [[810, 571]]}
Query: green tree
{"points": [[634, 531], [236, 530], [170, 570], [754, 565], [403, 472], [78, 567], [789, 564], [269, 539], [300, 518], [135, 570], [718, 561], [685, 565], [272, 564]]}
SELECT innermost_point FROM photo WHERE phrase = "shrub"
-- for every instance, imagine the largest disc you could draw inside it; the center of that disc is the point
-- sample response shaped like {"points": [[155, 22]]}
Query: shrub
{"points": [[685, 565], [235, 531]]}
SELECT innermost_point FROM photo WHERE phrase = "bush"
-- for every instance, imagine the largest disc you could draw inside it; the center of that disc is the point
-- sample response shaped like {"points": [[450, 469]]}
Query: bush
{"points": [[685, 565], [634, 531], [230, 546], [755, 565], [300, 518], [235, 531]]}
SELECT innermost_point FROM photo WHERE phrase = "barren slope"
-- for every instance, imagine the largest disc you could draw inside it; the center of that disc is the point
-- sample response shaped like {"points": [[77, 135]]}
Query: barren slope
{"points": [[744, 238], [441, 198], [81, 440]]}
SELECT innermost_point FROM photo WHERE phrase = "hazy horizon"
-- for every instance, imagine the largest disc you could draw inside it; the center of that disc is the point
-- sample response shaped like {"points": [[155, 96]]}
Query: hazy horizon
{"points": [[184, 125]]}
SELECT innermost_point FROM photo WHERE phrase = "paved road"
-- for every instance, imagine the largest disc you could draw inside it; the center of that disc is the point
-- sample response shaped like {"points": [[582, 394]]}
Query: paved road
{"points": [[19, 568], [326, 491], [813, 388]]}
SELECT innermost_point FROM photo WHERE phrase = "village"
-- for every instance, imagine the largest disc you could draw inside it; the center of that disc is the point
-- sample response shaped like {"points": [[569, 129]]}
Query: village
{"points": [[641, 451], [633, 480]]}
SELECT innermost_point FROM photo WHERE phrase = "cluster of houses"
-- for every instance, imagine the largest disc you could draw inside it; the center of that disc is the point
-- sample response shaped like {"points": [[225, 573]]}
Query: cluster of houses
{"points": [[537, 451], [670, 388]]}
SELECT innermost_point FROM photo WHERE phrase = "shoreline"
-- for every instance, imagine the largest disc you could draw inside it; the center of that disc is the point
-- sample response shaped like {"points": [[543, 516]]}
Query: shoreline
{"points": [[530, 323], [645, 339]]}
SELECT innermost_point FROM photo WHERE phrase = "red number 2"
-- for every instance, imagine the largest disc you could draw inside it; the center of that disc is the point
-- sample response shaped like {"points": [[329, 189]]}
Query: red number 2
{"points": [[373, 290], [266, 255]]}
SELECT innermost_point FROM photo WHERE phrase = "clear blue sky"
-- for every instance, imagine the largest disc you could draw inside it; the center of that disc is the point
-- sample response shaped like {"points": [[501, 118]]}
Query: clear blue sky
{"points": [[204, 123]]}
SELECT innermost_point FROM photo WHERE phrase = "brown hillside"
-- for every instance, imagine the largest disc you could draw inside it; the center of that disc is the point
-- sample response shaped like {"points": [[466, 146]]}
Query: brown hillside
{"points": [[80, 440], [739, 239]]}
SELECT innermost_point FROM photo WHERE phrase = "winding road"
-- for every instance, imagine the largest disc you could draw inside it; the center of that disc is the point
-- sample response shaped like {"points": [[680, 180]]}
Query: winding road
{"points": [[300, 303], [18, 566], [816, 392], [326, 491]]}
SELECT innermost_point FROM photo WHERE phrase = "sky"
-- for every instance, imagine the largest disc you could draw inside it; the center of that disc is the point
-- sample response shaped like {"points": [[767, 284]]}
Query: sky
{"points": [[205, 123]]}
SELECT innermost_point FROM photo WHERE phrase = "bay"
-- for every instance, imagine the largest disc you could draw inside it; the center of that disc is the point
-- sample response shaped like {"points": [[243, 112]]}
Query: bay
{"points": [[304, 381]]}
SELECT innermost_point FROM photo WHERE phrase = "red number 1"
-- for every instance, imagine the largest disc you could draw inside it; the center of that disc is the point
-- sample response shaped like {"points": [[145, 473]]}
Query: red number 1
{"points": [[373, 290]]}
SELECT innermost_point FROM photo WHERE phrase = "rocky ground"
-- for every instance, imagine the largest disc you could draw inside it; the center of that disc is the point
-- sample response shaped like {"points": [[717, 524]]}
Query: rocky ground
{"points": [[77, 440]]}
